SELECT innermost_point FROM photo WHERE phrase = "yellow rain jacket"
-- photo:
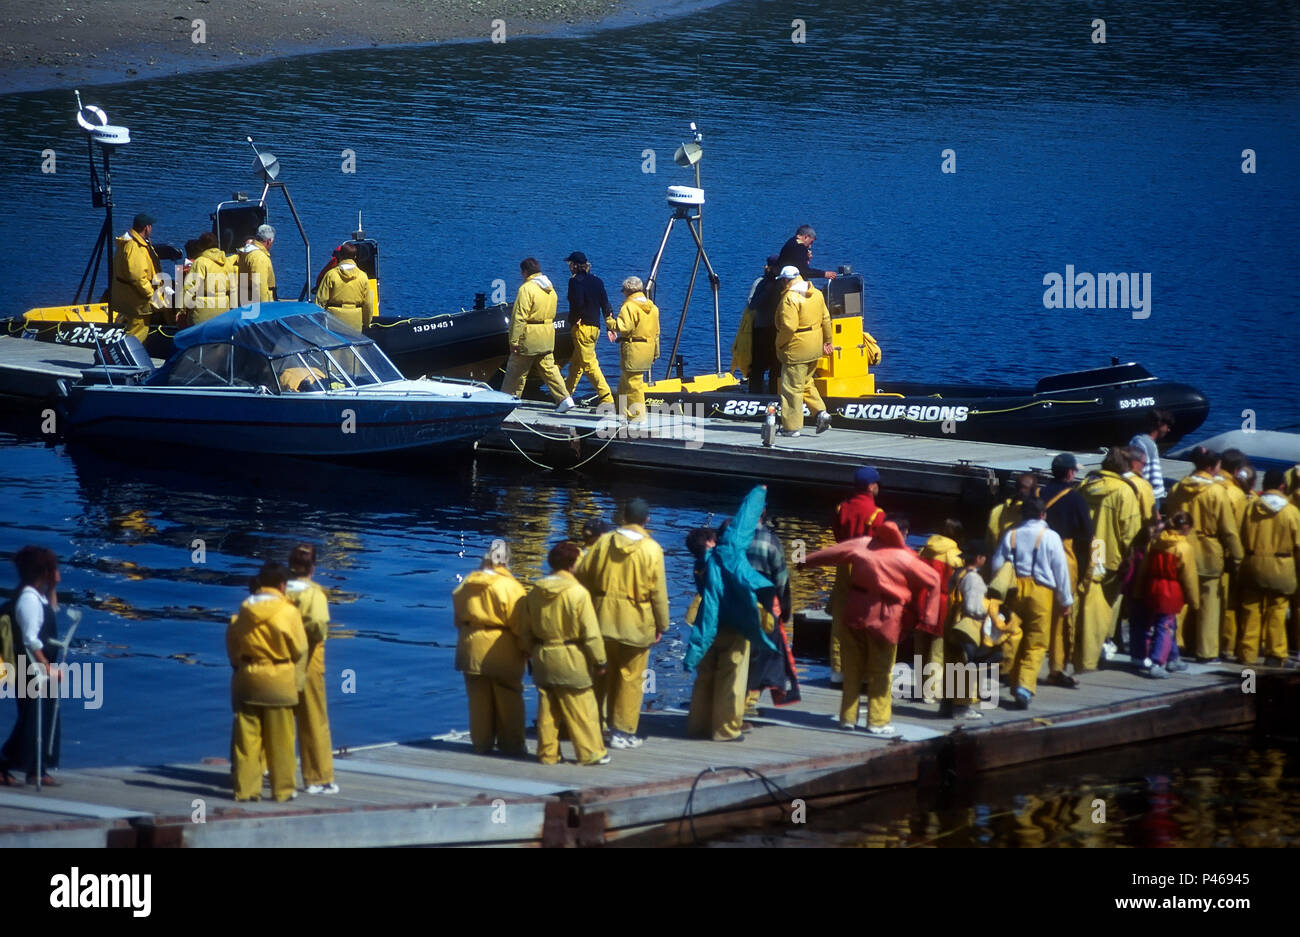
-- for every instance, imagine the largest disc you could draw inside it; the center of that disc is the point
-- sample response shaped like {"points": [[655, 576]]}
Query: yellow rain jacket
{"points": [[1116, 518], [637, 326], [560, 633], [532, 322], [345, 292], [1146, 495], [803, 323], [254, 262], [314, 608], [939, 547], [624, 570], [489, 641], [267, 646], [1292, 479], [1213, 528], [1236, 496], [1270, 535], [1002, 518], [742, 347], [208, 286], [134, 267]]}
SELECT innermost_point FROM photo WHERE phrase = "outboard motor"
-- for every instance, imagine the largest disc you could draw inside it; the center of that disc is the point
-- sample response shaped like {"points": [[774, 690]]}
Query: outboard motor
{"points": [[124, 361]]}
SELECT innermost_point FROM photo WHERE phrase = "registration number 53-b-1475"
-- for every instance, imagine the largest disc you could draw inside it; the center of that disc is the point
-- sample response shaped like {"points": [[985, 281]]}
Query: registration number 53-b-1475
{"points": [[1128, 403]]}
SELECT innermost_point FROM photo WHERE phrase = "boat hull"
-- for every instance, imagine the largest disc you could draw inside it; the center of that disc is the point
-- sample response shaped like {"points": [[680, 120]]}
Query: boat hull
{"points": [[339, 425], [1078, 419]]}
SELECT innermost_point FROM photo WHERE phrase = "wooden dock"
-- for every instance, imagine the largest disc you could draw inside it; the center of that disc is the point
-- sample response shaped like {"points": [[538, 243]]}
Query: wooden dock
{"points": [[436, 791], [964, 471]]}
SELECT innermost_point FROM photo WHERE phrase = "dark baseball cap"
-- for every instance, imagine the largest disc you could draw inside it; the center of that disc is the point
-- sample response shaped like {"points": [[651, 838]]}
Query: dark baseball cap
{"points": [[577, 257], [142, 220], [1064, 462]]}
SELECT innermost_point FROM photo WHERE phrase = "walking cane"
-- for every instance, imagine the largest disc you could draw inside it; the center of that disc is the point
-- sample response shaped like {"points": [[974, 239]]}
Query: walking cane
{"points": [[74, 616]]}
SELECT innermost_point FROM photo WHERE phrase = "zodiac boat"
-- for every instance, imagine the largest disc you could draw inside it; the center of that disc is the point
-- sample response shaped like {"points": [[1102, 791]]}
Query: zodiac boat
{"points": [[284, 379]]}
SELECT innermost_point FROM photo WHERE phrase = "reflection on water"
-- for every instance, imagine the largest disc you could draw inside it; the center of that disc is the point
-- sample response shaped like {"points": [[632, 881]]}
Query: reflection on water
{"points": [[1214, 790]]}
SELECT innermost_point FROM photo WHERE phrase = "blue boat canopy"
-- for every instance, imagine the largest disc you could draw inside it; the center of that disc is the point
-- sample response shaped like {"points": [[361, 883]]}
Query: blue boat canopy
{"points": [[272, 330]]}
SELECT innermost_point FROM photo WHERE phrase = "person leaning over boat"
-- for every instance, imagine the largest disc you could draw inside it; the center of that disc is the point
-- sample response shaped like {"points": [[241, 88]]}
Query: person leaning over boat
{"points": [[256, 272], [1158, 425], [311, 714], [1116, 520], [135, 278], [885, 578], [857, 516], [559, 633], [30, 615], [345, 291], [797, 252], [267, 647], [489, 652], [1042, 591], [637, 331], [1069, 516], [1270, 536], [1217, 542], [532, 336], [588, 308], [801, 319], [212, 279], [624, 571]]}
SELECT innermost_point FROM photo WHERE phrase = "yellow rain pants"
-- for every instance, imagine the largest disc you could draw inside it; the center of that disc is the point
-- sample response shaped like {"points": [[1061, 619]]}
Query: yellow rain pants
{"points": [[868, 658], [1034, 604], [519, 366], [262, 732], [718, 698], [584, 362], [619, 692], [1266, 612], [1101, 600], [314, 724], [496, 714], [576, 709]]}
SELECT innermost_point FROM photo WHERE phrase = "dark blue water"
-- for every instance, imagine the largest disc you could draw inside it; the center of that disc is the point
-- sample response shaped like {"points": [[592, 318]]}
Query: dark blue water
{"points": [[1123, 156], [1117, 157]]}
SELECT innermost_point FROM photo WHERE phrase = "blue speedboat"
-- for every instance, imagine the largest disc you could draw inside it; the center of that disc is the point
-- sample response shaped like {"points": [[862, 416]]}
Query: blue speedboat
{"points": [[284, 379]]}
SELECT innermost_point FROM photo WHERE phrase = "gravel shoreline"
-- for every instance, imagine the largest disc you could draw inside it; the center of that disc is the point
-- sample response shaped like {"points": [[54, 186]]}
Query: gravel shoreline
{"points": [[48, 44]]}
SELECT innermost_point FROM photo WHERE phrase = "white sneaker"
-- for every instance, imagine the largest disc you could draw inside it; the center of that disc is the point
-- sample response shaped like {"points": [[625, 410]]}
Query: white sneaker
{"points": [[330, 788], [565, 405], [619, 740], [837, 678], [602, 760], [887, 731], [847, 727], [1109, 650]]}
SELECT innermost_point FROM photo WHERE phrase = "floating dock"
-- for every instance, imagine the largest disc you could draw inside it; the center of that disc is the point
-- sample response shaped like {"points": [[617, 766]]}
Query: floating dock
{"points": [[947, 469], [436, 791]]}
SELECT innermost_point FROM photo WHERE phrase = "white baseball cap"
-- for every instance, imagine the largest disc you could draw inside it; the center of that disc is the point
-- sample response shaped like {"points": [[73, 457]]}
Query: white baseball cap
{"points": [[788, 273]]}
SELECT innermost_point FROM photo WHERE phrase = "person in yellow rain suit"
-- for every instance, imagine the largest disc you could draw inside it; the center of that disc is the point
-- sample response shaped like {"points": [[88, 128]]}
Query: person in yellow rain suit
{"points": [[256, 272], [311, 715], [345, 291], [943, 555], [801, 320], [1292, 482], [1042, 574], [212, 281], [135, 278], [532, 336], [1231, 463], [489, 652], [1116, 520], [637, 331], [1217, 543], [267, 647], [1270, 536], [559, 632], [964, 637], [624, 571], [1006, 515]]}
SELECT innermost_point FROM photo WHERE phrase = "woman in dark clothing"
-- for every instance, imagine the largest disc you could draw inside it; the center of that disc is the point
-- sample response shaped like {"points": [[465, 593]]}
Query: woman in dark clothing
{"points": [[31, 612]]}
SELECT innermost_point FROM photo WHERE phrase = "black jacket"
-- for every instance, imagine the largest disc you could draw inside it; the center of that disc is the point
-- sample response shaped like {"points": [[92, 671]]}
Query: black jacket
{"points": [[588, 302], [794, 254]]}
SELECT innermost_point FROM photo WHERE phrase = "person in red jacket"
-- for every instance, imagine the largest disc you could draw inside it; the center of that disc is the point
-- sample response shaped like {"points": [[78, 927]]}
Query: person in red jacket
{"points": [[884, 576], [857, 516], [1166, 581]]}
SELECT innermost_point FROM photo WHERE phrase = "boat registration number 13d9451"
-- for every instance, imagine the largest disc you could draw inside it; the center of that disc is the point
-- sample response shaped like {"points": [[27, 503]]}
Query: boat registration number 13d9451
{"points": [[86, 334], [1130, 402]]}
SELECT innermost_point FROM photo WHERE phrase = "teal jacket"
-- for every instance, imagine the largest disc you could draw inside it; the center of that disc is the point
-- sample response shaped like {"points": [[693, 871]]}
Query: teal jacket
{"points": [[732, 589]]}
